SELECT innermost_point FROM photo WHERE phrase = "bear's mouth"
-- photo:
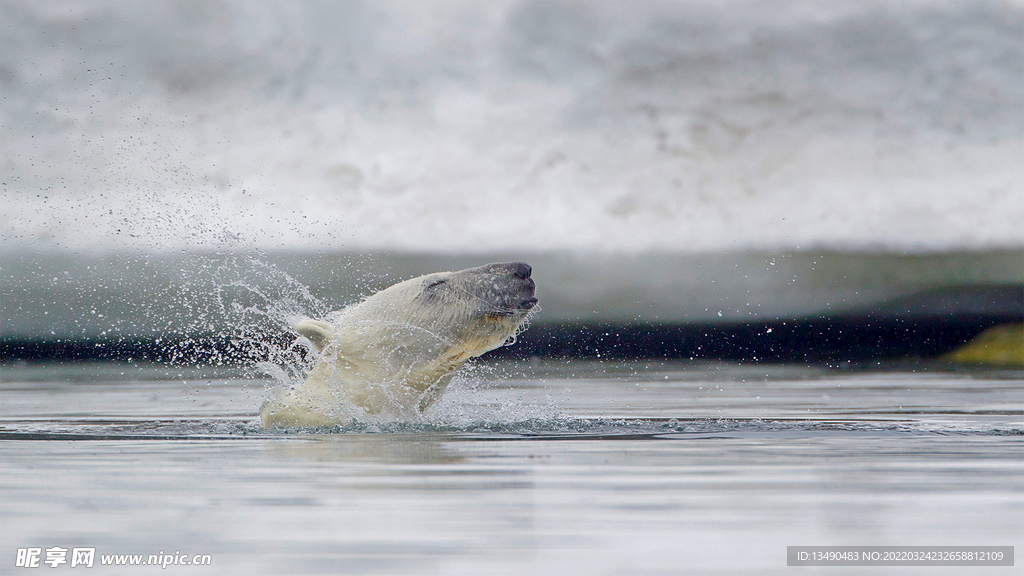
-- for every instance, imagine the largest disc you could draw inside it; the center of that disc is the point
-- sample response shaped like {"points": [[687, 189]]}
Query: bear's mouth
{"points": [[528, 290], [521, 308]]}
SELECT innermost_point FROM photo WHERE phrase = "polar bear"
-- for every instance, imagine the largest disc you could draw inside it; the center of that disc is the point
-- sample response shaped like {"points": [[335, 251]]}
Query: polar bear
{"points": [[395, 352]]}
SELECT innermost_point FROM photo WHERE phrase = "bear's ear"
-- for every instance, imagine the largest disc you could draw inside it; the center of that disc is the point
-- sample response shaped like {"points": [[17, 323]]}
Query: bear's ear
{"points": [[318, 333]]}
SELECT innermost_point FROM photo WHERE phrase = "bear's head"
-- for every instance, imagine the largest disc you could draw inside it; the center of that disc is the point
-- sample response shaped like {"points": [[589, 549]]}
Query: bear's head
{"points": [[472, 311]]}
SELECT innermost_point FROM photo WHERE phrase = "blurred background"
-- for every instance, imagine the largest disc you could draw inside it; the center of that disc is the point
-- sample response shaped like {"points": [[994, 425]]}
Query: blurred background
{"points": [[725, 178]]}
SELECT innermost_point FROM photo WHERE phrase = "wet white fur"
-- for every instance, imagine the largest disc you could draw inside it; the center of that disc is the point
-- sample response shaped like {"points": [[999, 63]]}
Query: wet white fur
{"points": [[393, 353]]}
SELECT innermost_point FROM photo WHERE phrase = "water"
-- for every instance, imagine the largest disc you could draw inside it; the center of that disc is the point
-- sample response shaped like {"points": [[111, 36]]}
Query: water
{"points": [[536, 467]]}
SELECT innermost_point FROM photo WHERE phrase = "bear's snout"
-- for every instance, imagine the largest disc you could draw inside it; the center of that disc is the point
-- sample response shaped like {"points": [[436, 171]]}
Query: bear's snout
{"points": [[508, 285]]}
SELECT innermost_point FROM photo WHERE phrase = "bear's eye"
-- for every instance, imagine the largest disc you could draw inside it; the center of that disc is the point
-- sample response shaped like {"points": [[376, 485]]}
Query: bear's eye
{"points": [[435, 283]]}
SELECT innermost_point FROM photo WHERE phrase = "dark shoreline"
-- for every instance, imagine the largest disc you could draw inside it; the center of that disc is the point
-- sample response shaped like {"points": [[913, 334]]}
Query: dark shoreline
{"points": [[819, 340]]}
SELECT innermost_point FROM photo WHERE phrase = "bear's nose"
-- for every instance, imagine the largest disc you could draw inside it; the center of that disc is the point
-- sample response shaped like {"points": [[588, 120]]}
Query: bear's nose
{"points": [[521, 270]]}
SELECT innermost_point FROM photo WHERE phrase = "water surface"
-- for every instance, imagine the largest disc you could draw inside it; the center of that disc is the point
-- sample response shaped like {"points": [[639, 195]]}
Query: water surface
{"points": [[545, 467]]}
